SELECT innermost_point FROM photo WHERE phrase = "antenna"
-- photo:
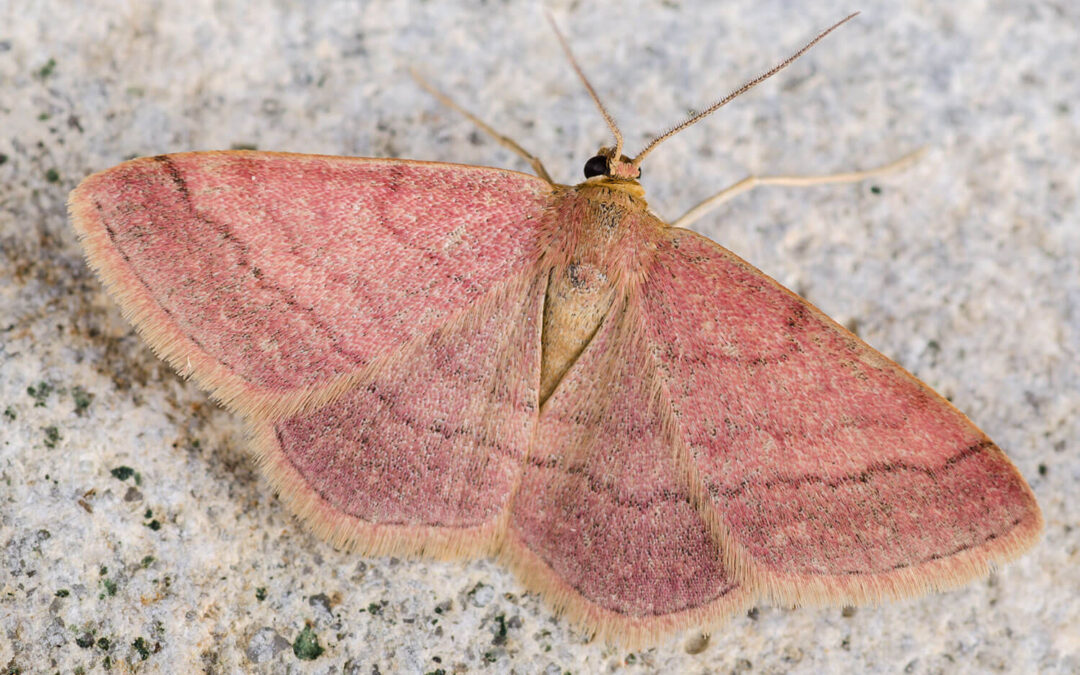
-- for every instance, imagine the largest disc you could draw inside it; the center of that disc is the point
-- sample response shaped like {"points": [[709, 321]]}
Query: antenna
{"points": [[592, 92], [693, 119]]}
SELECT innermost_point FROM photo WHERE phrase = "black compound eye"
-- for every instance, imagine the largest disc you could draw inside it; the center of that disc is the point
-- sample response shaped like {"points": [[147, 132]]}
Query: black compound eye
{"points": [[596, 166]]}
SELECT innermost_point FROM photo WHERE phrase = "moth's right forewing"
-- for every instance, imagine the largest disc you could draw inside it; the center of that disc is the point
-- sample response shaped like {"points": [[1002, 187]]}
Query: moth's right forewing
{"points": [[837, 475]]}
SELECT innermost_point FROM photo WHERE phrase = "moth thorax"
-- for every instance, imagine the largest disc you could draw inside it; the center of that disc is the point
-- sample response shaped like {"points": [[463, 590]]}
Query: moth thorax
{"points": [[579, 295]]}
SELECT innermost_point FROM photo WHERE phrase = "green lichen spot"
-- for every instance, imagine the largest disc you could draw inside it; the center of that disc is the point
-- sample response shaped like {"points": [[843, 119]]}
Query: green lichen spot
{"points": [[63, 593], [110, 586], [47, 69], [147, 561], [500, 632], [9, 414], [52, 175], [375, 609], [140, 646], [52, 436], [103, 643], [306, 647], [39, 393], [154, 524], [260, 593], [122, 472], [82, 399]]}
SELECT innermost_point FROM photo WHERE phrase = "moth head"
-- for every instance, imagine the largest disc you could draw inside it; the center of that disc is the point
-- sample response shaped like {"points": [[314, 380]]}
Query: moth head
{"points": [[610, 163], [604, 164]]}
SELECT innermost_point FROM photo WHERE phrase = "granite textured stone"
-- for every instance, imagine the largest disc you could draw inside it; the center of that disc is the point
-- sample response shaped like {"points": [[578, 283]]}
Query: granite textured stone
{"points": [[136, 535]]}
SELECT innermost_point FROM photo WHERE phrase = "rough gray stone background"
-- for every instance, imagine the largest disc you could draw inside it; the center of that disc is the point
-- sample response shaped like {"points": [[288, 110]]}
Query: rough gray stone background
{"points": [[963, 268]]}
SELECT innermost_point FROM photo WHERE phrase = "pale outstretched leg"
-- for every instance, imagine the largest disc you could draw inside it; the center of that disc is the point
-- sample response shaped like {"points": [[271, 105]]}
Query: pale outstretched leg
{"points": [[751, 182], [506, 142]]}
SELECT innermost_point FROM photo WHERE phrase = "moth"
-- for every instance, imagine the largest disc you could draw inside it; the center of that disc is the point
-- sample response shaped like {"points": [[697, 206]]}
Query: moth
{"points": [[459, 361]]}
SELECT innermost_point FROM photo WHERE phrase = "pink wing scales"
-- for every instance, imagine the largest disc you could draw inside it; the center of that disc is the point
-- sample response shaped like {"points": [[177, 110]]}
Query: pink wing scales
{"points": [[836, 474], [603, 522], [421, 453], [267, 274]]}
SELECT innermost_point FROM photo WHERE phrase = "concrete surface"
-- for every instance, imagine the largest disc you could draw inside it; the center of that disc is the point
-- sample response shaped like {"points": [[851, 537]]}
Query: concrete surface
{"points": [[965, 269]]}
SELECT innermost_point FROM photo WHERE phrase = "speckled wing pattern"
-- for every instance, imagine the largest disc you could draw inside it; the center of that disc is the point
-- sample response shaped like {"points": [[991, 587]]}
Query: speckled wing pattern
{"points": [[370, 317], [269, 276], [832, 474], [421, 453]]}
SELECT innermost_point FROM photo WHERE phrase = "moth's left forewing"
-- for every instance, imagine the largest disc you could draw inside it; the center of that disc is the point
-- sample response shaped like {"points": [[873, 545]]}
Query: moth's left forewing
{"points": [[269, 277], [376, 320], [835, 475]]}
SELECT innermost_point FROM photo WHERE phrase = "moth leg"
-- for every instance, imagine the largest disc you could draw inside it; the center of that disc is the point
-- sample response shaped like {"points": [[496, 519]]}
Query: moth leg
{"points": [[751, 182], [505, 141]]}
